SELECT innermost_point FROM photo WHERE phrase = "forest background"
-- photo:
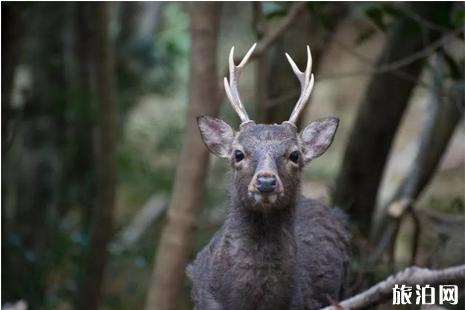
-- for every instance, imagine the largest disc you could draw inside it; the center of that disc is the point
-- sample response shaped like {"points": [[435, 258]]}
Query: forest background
{"points": [[99, 138]]}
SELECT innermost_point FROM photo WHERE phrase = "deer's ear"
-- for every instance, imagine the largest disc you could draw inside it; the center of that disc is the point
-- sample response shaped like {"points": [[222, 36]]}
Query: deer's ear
{"points": [[318, 136], [217, 135]]}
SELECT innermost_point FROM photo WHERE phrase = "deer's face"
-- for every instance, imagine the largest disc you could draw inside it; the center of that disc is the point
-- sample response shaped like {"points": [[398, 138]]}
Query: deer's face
{"points": [[267, 160]]}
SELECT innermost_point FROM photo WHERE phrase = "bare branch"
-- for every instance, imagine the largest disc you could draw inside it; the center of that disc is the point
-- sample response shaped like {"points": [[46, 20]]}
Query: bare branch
{"points": [[270, 38], [435, 137], [427, 51], [149, 213], [411, 276], [417, 17]]}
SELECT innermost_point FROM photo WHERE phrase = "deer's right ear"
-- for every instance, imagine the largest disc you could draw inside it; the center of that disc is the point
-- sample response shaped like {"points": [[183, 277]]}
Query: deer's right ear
{"points": [[217, 135]]}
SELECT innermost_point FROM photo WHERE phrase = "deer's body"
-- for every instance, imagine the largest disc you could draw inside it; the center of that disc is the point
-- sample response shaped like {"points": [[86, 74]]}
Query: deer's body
{"points": [[276, 250], [287, 261]]}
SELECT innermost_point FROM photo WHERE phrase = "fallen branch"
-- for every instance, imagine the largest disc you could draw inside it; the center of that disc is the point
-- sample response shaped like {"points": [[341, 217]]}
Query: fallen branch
{"points": [[411, 276], [149, 212]]}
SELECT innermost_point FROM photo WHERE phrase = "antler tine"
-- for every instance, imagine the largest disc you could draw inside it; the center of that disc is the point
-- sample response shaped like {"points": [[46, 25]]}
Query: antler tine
{"points": [[231, 87], [306, 80]]}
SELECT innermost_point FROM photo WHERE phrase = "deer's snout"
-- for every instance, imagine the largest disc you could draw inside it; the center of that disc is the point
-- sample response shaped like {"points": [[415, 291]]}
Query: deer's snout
{"points": [[266, 183]]}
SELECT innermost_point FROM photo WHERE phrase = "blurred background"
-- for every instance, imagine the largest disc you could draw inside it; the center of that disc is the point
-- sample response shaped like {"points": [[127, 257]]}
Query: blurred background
{"points": [[99, 138]]}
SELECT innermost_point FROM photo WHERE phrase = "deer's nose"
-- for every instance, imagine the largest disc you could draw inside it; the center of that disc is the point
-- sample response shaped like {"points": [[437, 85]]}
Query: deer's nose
{"points": [[266, 183]]}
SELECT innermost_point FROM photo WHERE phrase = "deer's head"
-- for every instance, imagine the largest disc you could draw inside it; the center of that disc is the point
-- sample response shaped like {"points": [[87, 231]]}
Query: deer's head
{"points": [[267, 160]]}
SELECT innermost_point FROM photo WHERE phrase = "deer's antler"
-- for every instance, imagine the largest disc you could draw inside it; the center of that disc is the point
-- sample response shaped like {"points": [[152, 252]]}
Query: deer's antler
{"points": [[231, 87], [306, 83]]}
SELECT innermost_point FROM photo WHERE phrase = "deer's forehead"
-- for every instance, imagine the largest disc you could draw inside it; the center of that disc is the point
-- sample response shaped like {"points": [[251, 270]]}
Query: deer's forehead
{"points": [[267, 137]]}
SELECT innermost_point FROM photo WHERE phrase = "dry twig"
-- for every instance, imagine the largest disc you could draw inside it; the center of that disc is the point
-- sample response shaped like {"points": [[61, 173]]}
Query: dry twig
{"points": [[395, 65], [411, 276]]}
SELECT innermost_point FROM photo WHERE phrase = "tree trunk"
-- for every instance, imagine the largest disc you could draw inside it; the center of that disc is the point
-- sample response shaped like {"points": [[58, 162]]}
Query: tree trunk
{"points": [[12, 24], [377, 121], [444, 116], [32, 172], [11, 42], [89, 296], [262, 66], [177, 236]]}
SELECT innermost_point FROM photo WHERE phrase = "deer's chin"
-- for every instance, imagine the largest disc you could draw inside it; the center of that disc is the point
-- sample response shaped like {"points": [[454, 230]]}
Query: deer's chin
{"points": [[263, 200]]}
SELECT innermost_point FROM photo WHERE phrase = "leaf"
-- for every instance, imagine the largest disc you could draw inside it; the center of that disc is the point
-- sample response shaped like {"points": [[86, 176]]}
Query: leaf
{"points": [[377, 17], [458, 18], [274, 9], [375, 12]]}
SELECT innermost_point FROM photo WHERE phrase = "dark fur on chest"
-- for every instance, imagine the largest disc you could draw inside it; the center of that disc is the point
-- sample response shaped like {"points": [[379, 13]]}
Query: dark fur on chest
{"points": [[254, 262], [291, 261]]}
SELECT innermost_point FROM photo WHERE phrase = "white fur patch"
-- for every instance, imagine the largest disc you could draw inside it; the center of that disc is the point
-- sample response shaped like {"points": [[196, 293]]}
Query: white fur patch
{"points": [[264, 199]]}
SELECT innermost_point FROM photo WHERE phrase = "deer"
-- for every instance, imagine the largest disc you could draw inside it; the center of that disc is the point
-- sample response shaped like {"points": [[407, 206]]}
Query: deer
{"points": [[276, 248]]}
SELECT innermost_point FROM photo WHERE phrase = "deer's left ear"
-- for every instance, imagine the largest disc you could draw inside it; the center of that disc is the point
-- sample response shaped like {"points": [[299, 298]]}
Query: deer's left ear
{"points": [[317, 137]]}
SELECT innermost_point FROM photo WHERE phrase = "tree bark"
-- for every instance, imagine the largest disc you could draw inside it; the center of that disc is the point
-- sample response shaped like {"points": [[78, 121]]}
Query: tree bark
{"points": [[262, 66], [377, 121], [12, 24], [444, 116], [184, 210], [90, 291], [33, 167], [11, 42]]}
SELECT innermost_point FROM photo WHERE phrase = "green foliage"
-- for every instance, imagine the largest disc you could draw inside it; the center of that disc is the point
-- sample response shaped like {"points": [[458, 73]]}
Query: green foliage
{"points": [[458, 17], [156, 65], [171, 50], [274, 9], [375, 12], [152, 79], [174, 39]]}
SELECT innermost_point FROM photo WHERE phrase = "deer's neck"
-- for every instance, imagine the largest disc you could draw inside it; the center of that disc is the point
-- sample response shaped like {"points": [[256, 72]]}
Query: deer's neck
{"points": [[270, 230], [275, 225], [260, 249]]}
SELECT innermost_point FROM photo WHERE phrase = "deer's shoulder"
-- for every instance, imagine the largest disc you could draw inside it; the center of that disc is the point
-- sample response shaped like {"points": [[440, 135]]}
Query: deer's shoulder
{"points": [[323, 252]]}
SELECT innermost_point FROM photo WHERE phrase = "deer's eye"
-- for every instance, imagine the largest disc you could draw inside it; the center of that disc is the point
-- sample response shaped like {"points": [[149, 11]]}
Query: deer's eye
{"points": [[294, 157], [238, 155]]}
